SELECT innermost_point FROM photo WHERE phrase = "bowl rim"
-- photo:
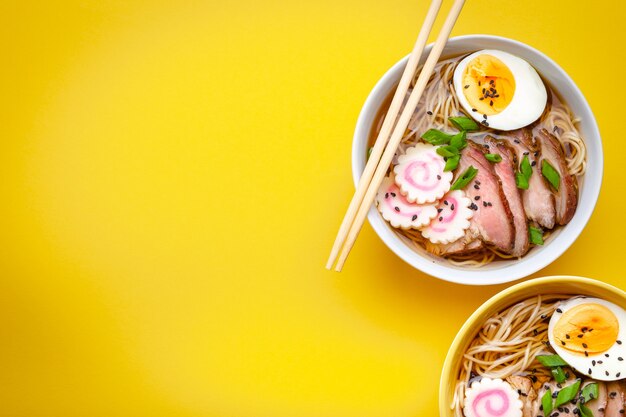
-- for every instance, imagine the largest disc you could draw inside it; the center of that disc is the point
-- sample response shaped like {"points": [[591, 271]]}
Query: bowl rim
{"points": [[446, 371], [507, 273]]}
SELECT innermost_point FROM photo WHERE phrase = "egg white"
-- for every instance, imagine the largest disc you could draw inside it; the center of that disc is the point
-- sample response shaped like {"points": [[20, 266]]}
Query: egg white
{"points": [[583, 363], [529, 98]]}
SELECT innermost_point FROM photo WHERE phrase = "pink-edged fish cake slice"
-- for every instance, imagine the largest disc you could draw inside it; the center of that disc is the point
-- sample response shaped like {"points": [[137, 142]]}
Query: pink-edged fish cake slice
{"points": [[420, 174], [453, 218], [398, 211]]}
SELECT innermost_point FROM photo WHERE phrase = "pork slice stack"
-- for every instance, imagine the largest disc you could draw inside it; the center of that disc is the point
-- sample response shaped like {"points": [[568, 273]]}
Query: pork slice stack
{"points": [[503, 212]]}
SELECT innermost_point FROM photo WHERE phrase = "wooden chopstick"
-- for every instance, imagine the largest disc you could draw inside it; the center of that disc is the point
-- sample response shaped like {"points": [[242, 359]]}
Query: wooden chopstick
{"points": [[397, 134], [383, 135]]}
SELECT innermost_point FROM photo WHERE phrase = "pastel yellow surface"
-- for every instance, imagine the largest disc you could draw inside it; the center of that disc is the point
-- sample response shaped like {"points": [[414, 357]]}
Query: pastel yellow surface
{"points": [[173, 174]]}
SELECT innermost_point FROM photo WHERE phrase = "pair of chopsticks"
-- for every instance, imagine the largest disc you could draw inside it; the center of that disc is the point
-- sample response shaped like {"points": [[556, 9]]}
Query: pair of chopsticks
{"points": [[384, 149]]}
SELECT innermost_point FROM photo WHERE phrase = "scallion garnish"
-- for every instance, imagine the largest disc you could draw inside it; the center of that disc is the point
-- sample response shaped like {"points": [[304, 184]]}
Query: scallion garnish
{"points": [[536, 238], [590, 392], [452, 163], [558, 374], [567, 394], [464, 123], [493, 157], [447, 151], [546, 402], [525, 171], [459, 141], [550, 174], [436, 137], [525, 167], [521, 181], [465, 179], [585, 411], [551, 361]]}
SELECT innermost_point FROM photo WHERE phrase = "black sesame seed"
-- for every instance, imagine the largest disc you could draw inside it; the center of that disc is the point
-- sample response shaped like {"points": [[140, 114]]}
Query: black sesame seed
{"points": [[467, 86], [429, 113], [619, 342], [600, 362], [439, 177], [476, 187], [606, 354], [484, 204], [515, 140], [439, 210], [482, 98], [477, 182], [563, 342], [393, 194], [479, 83], [491, 102], [619, 358], [612, 394], [585, 345], [589, 371], [441, 219], [607, 373], [489, 204], [478, 198], [586, 354], [474, 110], [593, 363], [396, 208], [558, 310], [583, 329], [414, 217], [580, 336], [445, 202], [484, 116], [533, 163], [386, 195], [618, 374], [567, 336]]}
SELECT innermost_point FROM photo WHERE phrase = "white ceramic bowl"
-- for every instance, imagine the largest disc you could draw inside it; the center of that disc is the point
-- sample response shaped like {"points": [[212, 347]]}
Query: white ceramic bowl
{"points": [[539, 257]]}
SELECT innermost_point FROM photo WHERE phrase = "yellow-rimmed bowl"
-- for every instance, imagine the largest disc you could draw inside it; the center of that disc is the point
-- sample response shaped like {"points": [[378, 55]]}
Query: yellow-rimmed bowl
{"points": [[516, 293]]}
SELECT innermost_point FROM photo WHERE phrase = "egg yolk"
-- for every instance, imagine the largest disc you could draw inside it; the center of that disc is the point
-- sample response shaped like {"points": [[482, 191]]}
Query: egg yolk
{"points": [[488, 84], [591, 328]]}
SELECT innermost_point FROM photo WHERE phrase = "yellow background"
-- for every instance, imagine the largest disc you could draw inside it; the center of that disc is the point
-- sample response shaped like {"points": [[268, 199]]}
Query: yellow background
{"points": [[173, 174]]}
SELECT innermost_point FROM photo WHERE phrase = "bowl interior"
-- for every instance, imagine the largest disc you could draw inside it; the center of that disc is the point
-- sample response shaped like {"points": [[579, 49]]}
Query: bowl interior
{"points": [[504, 299], [500, 271]]}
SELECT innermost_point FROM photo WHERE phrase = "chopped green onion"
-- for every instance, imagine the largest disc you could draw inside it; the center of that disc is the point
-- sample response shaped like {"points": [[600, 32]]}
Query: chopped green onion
{"points": [[551, 361], [464, 123], [464, 179], [493, 157], [521, 181], [525, 171], [558, 374], [590, 392], [525, 167], [458, 140], [436, 137], [546, 402], [550, 174], [585, 411], [369, 152], [567, 394], [452, 163], [447, 151], [536, 238]]}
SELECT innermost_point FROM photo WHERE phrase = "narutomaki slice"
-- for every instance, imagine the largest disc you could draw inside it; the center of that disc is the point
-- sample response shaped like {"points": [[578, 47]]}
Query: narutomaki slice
{"points": [[420, 174], [401, 213], [452, 219], [492, 398]]}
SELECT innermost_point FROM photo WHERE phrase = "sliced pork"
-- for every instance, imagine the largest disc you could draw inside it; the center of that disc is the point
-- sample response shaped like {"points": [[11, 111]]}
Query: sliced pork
{"points": [[566, 197], [523, 386], [464, 246], [615, 399], [493, 221], [538, 200], [505, 170]]}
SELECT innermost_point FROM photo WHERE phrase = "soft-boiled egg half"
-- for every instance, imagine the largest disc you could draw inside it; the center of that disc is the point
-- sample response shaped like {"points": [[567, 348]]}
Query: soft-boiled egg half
{"points": [[499, 90], [588, 334]]}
